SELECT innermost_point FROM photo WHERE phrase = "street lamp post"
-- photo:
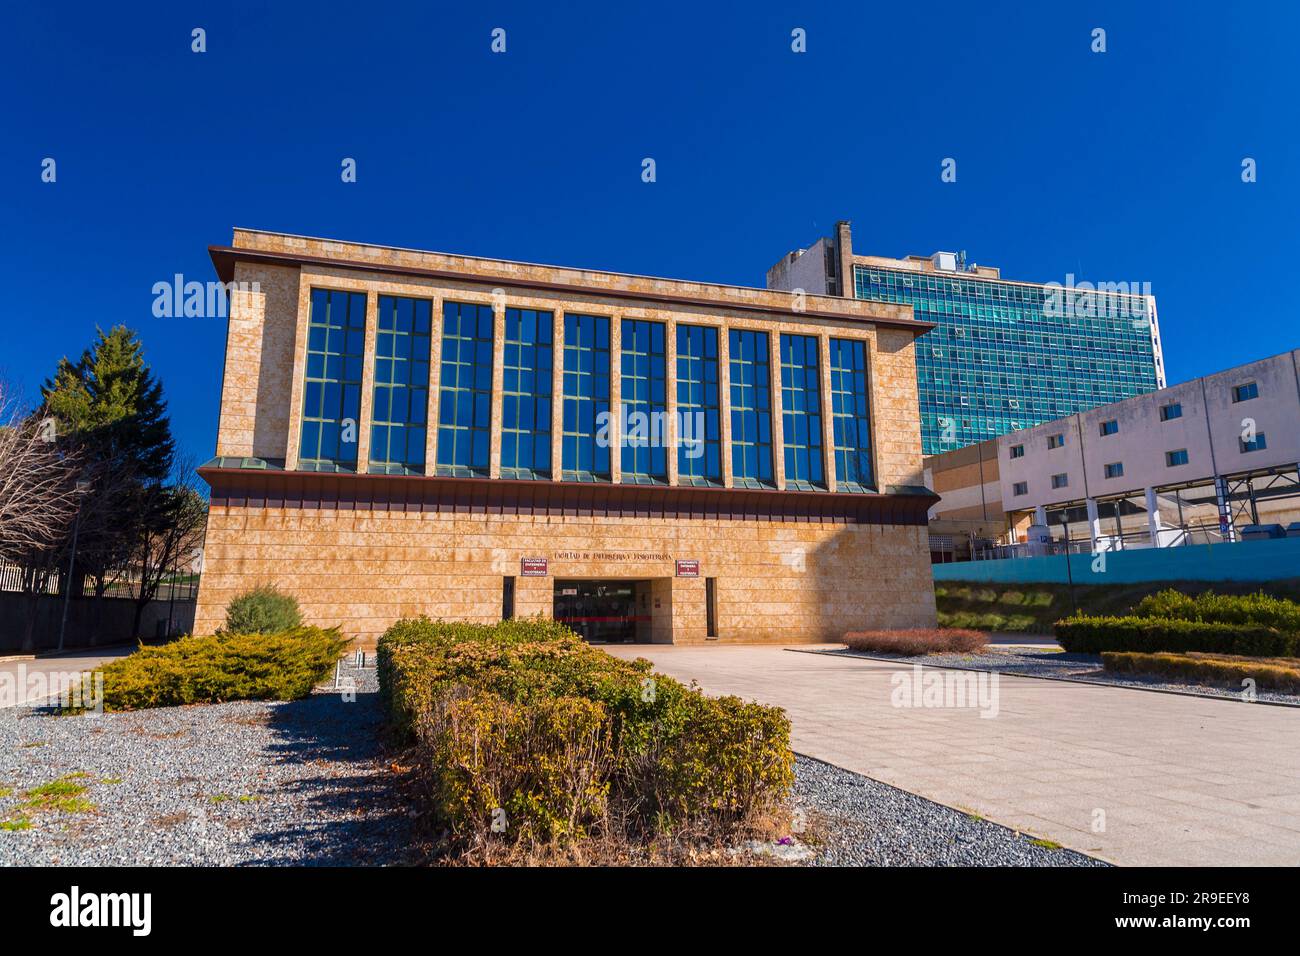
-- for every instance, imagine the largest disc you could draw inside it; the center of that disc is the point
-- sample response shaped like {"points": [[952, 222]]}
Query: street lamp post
{"points": [[1069, 575], [82, 488]]}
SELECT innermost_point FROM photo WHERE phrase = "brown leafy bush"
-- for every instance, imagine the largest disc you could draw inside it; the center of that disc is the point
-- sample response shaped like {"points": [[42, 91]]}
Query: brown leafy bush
{"points": [[917, 641], [539, 770], [553, 739], [1271, 673]]}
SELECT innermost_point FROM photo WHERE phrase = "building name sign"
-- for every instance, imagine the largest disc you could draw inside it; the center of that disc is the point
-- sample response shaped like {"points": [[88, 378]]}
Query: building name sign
{"points": [[610, 556], [533, 567], [688, 569]]}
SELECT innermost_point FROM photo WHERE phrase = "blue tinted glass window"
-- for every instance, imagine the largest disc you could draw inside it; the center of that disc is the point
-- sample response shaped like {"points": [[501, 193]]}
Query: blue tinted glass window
{"points": [[851, 416], [699, 459], [801, 412], [526, 395], [1008, 355], [399, 412], [465, 390], [331, 409], [583, 441], [751, 409], [643, 393]]}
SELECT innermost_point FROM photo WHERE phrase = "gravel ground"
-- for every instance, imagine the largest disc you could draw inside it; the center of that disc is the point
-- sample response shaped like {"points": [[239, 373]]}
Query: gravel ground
{"points": [[863, 822], [305, 783], [1029, 662], [251, 782]]}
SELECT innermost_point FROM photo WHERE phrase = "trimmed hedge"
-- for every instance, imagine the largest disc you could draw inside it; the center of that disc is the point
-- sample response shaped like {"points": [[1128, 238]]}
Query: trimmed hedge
{"points": [[525, 726], [223, 667], [1283, 675], [1258, 608], [1094, 635]]}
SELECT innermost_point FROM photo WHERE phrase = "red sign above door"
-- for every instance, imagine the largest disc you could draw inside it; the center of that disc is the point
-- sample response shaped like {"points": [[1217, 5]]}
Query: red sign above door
{"points": [[533, 567], [688, 569]]}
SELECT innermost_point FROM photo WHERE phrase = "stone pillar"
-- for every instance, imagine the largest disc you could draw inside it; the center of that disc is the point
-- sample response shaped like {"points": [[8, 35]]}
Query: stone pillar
{"points": [[497, 399], [778, 418], [366, 415], [533, 595], [724, 404], [294, 444], [435, 382], [557, 397], [670, 399], [615, 431], [828, 418]]}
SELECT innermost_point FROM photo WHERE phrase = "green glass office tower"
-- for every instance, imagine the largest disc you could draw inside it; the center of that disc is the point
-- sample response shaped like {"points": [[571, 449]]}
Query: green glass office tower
{"points": [[1003, 355]]}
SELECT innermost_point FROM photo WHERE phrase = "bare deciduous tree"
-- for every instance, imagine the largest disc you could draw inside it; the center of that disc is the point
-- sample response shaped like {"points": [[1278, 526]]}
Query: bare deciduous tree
{"points": [[38, 493], [172, 528], [38, 501]]}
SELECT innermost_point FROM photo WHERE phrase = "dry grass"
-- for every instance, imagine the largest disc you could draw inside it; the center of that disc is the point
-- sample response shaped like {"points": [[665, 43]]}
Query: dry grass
{"points": [[1229, 670], [613, 842], [912, 643]]}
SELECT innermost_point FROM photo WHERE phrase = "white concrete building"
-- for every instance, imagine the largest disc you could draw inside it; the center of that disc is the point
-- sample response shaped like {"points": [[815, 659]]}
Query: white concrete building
{"points": [[1197, 461]]}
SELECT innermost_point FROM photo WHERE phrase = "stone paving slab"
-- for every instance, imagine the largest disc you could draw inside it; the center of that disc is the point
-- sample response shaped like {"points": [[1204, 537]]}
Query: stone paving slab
{"points": [[1180, 780], [22, 681]]}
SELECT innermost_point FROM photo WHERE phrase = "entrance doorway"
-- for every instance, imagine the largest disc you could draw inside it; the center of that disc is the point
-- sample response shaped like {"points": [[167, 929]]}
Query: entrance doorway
{"points": [[603, 612]]}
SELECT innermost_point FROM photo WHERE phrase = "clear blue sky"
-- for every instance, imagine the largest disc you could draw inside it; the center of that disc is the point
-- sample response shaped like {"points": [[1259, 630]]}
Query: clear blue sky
{"points": [[1122, 166]]}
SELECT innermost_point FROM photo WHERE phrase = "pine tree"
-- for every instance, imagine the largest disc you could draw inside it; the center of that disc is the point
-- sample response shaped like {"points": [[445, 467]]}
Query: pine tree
{"points": [[110, 406], [113, 405]]}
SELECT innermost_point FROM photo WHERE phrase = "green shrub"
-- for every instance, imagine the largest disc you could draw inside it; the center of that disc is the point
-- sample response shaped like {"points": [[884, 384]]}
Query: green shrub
{"points": [[262, 610], [1093, 635], [638, 743], [1258, 608], [223, 667], [1271, 674]]}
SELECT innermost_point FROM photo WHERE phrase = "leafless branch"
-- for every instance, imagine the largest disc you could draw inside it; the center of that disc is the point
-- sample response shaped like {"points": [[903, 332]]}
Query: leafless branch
{"points": [[38, 493]]}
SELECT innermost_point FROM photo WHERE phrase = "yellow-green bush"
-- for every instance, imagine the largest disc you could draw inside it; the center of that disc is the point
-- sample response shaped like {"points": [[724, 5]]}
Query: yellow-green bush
{"points": [[194, 670], [1268, 673], [640, 744]]}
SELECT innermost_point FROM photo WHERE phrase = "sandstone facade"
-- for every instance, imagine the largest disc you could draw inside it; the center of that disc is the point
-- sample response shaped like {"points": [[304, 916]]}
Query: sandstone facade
{"points": [[362, 550]]}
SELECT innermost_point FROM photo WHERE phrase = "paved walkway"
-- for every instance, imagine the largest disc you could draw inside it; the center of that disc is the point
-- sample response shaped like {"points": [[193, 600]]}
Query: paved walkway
{"points": [[27, 681], [1180, 780]]}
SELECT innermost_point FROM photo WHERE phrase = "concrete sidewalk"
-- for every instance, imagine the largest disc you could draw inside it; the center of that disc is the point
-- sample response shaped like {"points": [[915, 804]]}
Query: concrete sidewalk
{"points": [[1172, 780], [27, 681]]}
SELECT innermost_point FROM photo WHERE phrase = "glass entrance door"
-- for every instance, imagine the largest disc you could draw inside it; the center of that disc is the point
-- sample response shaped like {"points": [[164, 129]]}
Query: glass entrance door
{"points": [[603, 612]]}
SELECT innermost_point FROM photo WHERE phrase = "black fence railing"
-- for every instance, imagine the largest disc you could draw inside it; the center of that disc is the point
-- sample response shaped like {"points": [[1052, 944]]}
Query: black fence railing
{"points": [[180, 586], [11, 579]]}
